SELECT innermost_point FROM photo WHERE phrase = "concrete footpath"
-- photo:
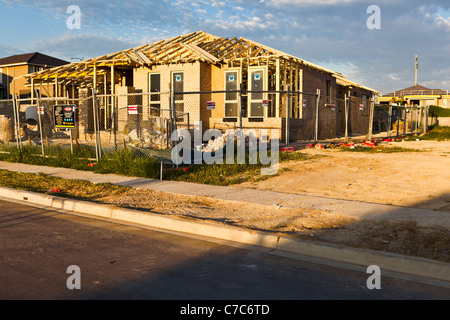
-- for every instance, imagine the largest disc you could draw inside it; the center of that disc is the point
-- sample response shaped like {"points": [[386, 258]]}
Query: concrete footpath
{"points": [[396, 263]]}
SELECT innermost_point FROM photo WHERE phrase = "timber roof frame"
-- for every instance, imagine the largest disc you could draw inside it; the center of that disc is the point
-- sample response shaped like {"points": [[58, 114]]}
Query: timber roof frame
{"points": [[189, 48]]}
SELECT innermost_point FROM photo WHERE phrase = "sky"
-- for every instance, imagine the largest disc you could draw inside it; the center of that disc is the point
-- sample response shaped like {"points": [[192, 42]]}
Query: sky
{"points": [[336, 34]]}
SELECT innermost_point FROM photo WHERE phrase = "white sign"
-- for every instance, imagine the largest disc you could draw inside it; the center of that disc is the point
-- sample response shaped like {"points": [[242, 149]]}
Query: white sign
{"points": [[210, 105], [361, 107], [40, 110], [305, 103], [265, 103], [257, 76], [132, 109]]}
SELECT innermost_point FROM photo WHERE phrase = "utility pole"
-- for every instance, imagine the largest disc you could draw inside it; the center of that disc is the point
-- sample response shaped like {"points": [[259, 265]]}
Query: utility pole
{"points": [[416, 68]]}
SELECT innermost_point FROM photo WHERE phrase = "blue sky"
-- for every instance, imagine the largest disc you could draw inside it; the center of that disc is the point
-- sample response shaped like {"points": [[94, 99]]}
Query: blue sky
{"points": [[332, 33]]}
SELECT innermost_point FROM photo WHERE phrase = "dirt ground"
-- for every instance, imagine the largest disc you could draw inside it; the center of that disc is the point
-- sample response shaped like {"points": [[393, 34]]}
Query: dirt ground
{"points": [[413, 179]]}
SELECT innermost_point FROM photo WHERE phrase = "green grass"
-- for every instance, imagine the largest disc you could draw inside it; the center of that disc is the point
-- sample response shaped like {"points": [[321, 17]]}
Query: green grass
{"points": [[42, 183], [438, 133], [436, 111], [129, 163], [376, 149], [55, 156]]}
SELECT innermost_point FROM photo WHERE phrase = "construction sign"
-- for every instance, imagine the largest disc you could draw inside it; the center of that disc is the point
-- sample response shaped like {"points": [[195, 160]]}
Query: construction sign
{"points": [[133, 109], [64, 116], [210, 105]]}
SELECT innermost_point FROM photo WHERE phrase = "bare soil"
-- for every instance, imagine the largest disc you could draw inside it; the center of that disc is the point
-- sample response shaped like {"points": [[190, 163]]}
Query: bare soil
{"points": [[412, 179]]}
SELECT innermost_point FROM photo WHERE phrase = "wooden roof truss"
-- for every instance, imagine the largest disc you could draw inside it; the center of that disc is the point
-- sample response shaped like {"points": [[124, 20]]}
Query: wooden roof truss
{"points": [[193, 47]]}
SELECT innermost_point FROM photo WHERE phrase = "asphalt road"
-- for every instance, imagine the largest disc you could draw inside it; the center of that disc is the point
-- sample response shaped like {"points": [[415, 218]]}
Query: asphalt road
{"points": [[118, 261]]}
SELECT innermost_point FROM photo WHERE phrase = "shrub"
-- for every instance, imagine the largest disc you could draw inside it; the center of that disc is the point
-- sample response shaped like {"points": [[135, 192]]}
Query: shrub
{"points": [[436, 111]]}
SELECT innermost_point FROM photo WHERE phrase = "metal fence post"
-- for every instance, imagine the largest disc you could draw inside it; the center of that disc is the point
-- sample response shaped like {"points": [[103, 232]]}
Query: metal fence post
{"points": [[40, 127], [240, 107], [404, 126], [288, 114], [371, 111], [389, 122], [174, 110], [16, 106], [316, 133], [346, 105], [94, 112]]}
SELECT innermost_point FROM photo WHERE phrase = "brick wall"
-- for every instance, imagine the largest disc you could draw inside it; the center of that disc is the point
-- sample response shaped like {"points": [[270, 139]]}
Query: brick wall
{"points": [[192, 82]]}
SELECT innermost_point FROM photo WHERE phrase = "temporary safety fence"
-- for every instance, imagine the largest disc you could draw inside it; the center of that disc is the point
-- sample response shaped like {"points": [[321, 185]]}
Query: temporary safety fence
{"points": [[145, 122], [400, 120], [296, 115]]}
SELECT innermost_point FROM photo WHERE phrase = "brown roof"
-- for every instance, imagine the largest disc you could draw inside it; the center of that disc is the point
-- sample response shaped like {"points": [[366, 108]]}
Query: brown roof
{"points": [[34, 58], [416, 90]]}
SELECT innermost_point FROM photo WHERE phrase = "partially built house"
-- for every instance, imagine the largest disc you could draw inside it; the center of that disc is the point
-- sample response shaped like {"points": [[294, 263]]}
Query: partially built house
{"points": [[222, 82]]}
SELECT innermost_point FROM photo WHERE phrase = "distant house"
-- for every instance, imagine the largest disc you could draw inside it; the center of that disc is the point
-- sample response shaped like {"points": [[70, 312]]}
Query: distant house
{"points": [[417, 96], [18, 65]]}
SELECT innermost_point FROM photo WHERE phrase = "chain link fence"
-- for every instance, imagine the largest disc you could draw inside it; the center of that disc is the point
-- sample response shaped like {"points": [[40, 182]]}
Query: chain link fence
{"points": [[8, 129], [144, 122]]}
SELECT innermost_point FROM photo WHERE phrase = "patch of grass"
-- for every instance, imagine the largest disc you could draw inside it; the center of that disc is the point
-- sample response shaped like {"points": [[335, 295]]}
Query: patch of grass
{"points": [[42, 183], [438, 133], [436, 111], [379, 149], [130, 163], [55, 156]]}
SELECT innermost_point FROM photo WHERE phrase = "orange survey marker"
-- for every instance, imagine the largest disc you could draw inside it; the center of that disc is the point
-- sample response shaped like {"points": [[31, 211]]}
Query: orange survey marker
{"points": [[369, 144], [186, 169]]}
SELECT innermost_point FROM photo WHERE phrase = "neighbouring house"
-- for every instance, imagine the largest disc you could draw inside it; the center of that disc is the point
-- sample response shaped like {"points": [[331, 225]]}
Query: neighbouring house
{"points": [[417, 95], [201, 62], [13, 67]]}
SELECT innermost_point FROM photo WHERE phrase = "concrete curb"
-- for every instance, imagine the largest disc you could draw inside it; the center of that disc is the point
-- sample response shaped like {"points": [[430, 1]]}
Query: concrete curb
{"points": [[386, 261]]}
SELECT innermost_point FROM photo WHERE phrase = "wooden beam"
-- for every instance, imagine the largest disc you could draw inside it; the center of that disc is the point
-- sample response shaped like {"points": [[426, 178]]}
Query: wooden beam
{"points": [[277, 88]]}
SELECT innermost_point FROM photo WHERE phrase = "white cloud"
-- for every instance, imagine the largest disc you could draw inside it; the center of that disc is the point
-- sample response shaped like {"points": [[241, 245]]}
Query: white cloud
{"points": [[331, 33], [442, 22], [393, 76], [81, 45], [312, 2]]}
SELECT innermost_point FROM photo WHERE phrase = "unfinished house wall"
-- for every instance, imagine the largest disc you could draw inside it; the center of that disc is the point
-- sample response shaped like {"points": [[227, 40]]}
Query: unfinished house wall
{"points": [[359, 112], [303, 123], [192, 81]]}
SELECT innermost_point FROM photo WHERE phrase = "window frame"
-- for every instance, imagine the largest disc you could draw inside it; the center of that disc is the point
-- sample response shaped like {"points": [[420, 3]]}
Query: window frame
{"points": [[238, 80], [264, 95]]}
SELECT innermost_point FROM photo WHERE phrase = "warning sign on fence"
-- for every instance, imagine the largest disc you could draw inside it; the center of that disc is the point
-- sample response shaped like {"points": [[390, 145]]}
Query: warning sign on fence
{"points": [[210, 105], [64, 116], [132, 109]]}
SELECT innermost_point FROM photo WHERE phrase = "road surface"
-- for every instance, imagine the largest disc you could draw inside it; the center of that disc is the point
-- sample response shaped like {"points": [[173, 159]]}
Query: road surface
{"points": [[117, 261]]}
